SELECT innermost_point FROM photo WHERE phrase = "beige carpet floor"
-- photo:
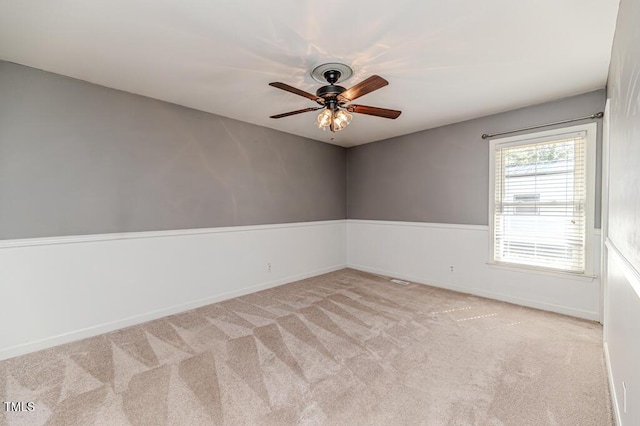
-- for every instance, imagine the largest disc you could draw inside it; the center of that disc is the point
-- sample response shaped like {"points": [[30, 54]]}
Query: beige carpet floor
{"points": [[345, 348]]}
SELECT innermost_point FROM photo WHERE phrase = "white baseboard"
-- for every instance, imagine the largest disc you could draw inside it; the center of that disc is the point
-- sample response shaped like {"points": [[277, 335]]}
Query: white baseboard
{"points": [[566, 310], [64, 289], [612, 388]]}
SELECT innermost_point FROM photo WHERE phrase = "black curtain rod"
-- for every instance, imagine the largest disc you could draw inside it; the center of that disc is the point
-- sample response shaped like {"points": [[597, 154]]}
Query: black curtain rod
{"points": [[588, 117]]}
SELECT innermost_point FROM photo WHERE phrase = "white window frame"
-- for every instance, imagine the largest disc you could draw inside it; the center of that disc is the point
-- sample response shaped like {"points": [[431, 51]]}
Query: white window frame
{"points": [[591, 130]]}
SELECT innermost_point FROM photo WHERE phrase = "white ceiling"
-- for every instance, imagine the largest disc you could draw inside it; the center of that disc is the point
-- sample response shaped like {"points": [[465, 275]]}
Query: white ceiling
{"points": [[446, 61]]}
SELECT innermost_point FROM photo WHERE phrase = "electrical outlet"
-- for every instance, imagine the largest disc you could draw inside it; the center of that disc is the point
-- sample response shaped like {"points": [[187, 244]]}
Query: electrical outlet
{"points": [[451, 268], [268, 267], [624, 398]]}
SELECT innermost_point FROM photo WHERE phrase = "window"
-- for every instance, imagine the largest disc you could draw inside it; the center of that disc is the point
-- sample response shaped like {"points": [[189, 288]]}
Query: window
{"points": [[542, 199]]}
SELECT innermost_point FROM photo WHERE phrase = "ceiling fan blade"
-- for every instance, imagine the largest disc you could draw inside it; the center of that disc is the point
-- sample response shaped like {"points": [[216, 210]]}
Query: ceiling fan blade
{"points": [[297, 91], [372, 83], [300, 111], [378, 112]]}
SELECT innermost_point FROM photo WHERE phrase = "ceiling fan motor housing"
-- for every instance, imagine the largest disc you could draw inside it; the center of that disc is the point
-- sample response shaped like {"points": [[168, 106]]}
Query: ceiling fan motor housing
{"points": [[330, 91]]}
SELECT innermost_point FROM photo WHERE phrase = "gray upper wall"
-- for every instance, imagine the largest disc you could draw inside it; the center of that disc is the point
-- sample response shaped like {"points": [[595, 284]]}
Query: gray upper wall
{"points": [[77, 158], [624, 135], [441, 175]]}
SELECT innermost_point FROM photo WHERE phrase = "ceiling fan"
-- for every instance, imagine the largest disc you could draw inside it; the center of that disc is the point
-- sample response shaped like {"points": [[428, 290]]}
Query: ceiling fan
{"points": [[334, 100]]}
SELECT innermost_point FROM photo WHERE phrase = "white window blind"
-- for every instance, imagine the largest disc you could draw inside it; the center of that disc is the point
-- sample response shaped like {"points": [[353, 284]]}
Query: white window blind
{"points": [[540, 202]]}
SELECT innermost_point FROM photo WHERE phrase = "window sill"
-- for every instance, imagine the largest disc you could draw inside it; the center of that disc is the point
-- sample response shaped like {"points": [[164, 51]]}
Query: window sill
{"points": [[541, 271]]}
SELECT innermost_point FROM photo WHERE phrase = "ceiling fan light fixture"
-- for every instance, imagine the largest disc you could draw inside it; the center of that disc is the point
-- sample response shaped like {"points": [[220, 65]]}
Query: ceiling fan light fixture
{"points": [[324, 119], [333, 120], [341, 119]]}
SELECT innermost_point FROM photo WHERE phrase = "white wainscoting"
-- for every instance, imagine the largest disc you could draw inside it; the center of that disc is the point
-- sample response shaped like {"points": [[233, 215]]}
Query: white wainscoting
{"points": [[424, 253], [56, 290], [622, 345]]}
